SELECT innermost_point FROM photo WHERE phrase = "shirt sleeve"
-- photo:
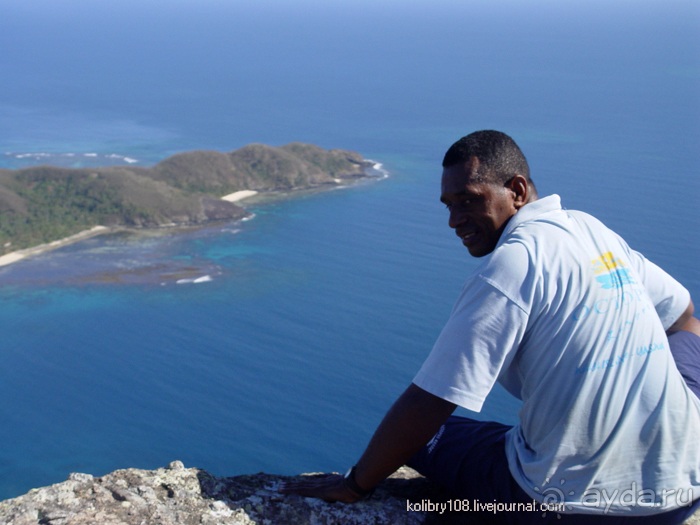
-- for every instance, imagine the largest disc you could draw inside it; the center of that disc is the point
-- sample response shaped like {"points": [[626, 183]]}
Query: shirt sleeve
{"points": [[479, 340], [669, 297]]}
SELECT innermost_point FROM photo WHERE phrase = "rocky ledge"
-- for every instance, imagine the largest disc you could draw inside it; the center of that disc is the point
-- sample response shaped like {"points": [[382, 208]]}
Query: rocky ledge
{"points": [[189, 496]]}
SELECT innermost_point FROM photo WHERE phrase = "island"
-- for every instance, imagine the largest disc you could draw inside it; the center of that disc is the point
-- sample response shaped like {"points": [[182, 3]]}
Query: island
{"points": [[43, 207]]}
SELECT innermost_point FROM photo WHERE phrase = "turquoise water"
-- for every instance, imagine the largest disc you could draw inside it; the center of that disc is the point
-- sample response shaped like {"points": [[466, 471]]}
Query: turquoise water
{"points": [[307, 321]]}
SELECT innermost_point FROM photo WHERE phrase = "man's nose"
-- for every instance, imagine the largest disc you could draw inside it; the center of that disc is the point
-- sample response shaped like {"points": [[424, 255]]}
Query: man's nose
{"points": [[457, 217]]}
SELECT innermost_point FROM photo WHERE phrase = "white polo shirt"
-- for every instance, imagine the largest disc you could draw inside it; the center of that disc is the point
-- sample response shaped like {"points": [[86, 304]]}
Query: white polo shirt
{"points": [[572, 321]]}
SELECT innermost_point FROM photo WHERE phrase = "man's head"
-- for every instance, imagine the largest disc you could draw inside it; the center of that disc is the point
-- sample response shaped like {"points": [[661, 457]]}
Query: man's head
{"points": [[485, 181]]}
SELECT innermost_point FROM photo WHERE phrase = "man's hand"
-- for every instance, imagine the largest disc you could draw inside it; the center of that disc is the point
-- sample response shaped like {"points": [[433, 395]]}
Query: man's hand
{"points": [[328, 487]]}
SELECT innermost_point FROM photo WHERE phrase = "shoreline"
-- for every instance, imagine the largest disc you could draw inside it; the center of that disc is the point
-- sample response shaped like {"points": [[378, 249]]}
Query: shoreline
{"points": [[18, 255], [251, 197], [239, 195]]}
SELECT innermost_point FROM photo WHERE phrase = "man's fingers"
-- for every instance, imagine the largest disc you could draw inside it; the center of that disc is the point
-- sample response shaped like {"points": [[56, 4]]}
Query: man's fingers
{"points": [[310, 486], [329, 487]]}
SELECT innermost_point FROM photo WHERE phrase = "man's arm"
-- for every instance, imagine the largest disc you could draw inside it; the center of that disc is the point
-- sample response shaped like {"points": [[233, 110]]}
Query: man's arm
{"points": [[408, 425], [683, 320]]}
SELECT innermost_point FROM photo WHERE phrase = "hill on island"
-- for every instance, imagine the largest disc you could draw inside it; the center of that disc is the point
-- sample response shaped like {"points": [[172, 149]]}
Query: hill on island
{"points": [[44, 203]]}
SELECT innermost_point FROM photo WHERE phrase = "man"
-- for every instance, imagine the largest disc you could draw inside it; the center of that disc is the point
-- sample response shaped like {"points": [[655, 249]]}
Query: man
{"points": [[570, 320]]}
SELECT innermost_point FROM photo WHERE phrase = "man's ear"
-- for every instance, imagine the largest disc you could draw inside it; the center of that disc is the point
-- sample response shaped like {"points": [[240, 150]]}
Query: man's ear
{"points": [[521, 190]]}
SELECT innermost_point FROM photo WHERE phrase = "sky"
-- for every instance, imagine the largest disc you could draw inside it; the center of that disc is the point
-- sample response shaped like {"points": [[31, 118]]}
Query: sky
{"points": [[325, 61]]}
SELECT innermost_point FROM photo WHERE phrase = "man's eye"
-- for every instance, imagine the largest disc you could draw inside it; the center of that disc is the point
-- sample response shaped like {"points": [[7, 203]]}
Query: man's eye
{"points": [[462, 202]]}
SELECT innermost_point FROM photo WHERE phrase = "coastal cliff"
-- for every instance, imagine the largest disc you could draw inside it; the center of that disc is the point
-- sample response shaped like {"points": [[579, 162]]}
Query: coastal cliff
{"points": [[42, 204], [189, 496], [176, 495]]}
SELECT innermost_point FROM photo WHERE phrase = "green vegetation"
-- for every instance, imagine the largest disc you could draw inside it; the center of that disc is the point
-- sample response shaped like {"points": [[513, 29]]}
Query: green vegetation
{"points": [[46, 203], [258, 167]]}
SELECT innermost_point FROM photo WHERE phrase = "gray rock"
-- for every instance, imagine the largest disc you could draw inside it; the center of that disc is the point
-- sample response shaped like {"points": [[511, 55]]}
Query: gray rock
{"points": [[176, 495]]}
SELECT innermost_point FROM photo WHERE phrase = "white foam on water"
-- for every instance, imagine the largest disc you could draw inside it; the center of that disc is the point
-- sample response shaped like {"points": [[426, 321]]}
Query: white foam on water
{"points": [[196, 280], [34, 155], [41, 156], [377, 166]]}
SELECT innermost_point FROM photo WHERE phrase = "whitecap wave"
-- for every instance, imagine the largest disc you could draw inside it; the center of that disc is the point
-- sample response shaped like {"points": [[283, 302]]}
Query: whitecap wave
{"points": [[70, 158], [377, 167], [31, 155], [195, 280]]}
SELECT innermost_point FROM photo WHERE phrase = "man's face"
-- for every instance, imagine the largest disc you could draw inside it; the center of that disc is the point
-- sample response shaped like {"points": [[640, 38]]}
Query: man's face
{"points": [[479, 211]]}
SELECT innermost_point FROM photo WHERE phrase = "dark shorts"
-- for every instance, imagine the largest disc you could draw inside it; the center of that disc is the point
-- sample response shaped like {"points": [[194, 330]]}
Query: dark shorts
{"points": [[468, 459], [685, 348]]}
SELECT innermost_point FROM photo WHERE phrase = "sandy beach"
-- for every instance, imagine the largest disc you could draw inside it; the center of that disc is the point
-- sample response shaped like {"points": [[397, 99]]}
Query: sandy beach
{"points": [[18, 255], [239, 195], [21, 254]]}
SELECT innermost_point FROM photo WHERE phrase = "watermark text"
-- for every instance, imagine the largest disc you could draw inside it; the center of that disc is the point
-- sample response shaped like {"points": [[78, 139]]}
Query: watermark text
{"points": [[474, 505]]}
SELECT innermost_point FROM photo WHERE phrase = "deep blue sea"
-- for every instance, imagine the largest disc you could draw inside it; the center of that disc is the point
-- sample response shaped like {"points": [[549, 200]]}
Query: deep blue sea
{"points": [[278, 343]]}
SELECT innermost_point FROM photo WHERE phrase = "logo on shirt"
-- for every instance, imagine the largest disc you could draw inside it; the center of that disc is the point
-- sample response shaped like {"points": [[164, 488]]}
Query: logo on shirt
{"points": [[614, 273]]}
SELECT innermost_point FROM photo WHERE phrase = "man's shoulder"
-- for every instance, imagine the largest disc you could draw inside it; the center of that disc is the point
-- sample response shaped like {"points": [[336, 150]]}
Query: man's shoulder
{"points": [[508, 268], [584, 217], [545, 241], [549, 244], [544, 211], [551, 225]]}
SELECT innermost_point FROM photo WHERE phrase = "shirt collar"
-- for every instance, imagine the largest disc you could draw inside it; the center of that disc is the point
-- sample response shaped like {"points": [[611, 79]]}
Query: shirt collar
{"points": [[529, 212]]}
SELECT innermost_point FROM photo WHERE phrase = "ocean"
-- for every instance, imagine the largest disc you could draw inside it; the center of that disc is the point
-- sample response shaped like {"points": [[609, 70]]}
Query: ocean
{"points": [[277, 344]]}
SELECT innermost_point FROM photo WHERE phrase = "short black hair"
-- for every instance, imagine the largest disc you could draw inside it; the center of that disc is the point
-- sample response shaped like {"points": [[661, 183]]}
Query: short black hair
{"points": [[500, 158]]}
